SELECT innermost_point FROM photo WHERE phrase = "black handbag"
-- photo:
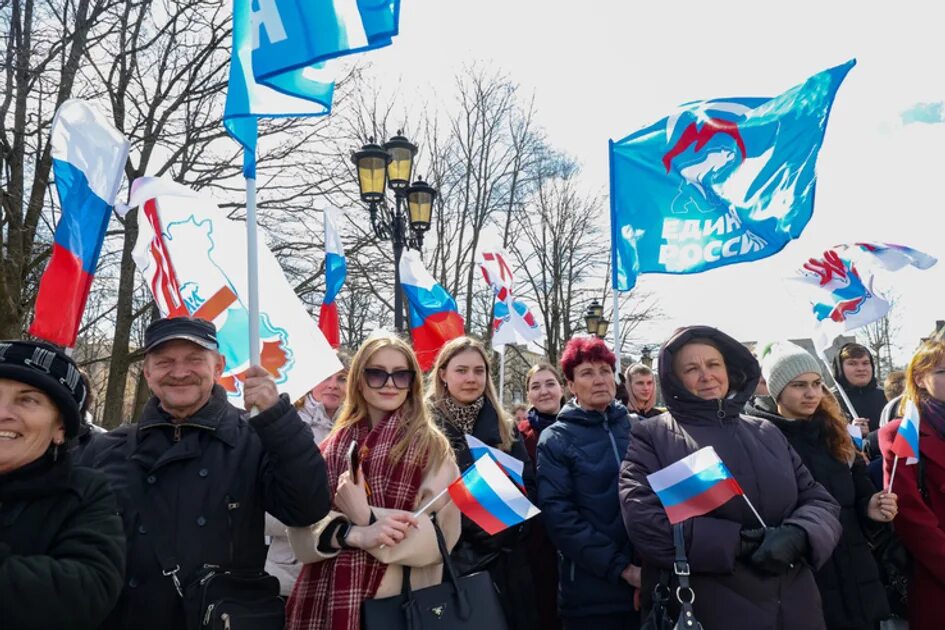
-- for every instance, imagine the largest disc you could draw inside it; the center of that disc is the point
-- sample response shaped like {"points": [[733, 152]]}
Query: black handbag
{"points": [[470, 601], [659, 617]]}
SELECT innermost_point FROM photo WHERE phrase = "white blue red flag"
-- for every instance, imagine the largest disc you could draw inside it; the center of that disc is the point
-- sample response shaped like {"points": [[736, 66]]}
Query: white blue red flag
{"points": [[336, 269], [486, 495], [434, 318], [695, 485], [844, 298], [300, 33], [513, 467], [889, 256], [194, 260], [906, 443], [247, 100], [512, 321], [88, 160], [718, 182]]}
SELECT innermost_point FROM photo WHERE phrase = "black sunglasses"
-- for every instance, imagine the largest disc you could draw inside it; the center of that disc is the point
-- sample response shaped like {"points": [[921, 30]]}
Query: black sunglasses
{"points": [[376, 378]]}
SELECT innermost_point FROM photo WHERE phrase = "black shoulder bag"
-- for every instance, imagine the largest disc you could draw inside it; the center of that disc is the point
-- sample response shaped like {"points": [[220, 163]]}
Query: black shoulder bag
{"points": [[659, 617], [214, 598], [470, 601]]}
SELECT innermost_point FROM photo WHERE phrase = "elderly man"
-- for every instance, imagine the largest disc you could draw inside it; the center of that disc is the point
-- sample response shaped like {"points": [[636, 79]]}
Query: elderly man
{"points": [[194, 477]]}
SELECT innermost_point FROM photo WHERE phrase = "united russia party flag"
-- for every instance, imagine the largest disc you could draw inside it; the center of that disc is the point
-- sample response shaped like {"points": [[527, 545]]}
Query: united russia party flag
{"points": [[906, 443], [88, 161], [336, 269], [718, 181], [693, 486], [434, 318], [485, 494]]}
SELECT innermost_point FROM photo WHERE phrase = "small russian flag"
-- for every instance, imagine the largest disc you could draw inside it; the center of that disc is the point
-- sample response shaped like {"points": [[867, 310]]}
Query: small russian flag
{"points": [[695, 485], [511, 466], [487, 496], [906, 442], [857, 435]]}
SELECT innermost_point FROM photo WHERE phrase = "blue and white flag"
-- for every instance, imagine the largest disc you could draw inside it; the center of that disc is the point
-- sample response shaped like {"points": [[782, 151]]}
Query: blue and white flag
{"points": [[247, 100], [718, 182], [294, 34]]}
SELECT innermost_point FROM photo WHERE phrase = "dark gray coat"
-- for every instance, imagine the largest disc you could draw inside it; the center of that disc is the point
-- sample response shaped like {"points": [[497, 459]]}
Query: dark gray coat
{"points": [[209, 482], [729, 593]]}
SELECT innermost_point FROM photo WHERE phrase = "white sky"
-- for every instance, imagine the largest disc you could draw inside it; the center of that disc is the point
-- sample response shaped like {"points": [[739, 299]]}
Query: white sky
{"points": [[601, 69]]}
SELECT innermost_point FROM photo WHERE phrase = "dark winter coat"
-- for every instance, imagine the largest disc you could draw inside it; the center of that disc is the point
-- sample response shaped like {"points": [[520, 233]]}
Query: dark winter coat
{"points": [[730, 593], [578, 463], [62, 551], [211, 478], [542, 555], [868, 400], [503, 555], [920, 525], [853, 595]]}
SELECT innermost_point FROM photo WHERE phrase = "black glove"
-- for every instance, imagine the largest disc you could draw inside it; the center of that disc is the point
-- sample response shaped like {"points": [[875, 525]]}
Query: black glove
{"points": [[781, 548], [751, 540]]}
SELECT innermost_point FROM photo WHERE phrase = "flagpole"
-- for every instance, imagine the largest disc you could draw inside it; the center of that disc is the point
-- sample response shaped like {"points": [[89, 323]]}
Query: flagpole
{"points": [[754, 511], [252, 271], [501, 376], [616, 329], [892, 474], [840, 390], [429, 504]]}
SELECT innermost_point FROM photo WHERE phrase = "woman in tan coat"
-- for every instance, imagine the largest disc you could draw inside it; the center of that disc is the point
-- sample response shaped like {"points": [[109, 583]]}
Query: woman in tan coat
{"points": [[359, 550]]}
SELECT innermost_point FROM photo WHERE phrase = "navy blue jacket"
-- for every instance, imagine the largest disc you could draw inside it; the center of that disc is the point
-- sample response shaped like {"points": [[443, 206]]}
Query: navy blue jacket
{"points": [[579, 460]]}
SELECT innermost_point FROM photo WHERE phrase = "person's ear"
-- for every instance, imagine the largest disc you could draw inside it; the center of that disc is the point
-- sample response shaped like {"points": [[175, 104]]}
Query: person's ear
{"points": [[219, 364], [59, 433]]}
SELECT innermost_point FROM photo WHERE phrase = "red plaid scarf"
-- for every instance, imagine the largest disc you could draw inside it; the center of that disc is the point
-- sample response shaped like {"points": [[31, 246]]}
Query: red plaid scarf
{"points": [[329, 594]]}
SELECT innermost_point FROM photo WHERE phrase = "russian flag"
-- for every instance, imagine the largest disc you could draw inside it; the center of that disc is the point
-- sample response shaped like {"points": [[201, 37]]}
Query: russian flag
{"points": [[906, 442], [487, 496], [695, 485], [894, 257], [511, 466], [434, 318], [335, 272], [89, 157], [856, 435]]}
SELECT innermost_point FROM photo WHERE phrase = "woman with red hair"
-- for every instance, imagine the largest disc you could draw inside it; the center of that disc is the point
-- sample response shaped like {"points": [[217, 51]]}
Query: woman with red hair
{"points": [[579, 460]]}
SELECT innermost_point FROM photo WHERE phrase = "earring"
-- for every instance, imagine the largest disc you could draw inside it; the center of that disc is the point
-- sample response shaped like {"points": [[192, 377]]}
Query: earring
{"points": [[55, 451]]}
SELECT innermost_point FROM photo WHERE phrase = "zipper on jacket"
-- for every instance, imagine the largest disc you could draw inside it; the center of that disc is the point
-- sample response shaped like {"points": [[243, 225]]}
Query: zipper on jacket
{"points": [[572, 570], [177, 433], [613, 443], [721, 411], [230, 506]]}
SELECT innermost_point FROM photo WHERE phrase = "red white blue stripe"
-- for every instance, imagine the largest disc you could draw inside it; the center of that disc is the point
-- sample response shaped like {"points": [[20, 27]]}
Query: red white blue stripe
{"points": [[856, 435], [88, 156], [434, 317], [336, 270], [511, 466], [894, 257], [693, 486], [486, 495], [906, 443]]}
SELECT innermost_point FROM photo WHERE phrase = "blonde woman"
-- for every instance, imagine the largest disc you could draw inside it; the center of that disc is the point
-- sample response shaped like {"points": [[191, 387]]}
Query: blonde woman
{"points": [[359, 550], [920, 523], [463, 401]]}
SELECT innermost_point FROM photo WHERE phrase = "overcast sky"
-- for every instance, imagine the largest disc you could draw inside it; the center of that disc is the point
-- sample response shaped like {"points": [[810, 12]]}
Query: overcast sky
{"points": [[602, 69]]}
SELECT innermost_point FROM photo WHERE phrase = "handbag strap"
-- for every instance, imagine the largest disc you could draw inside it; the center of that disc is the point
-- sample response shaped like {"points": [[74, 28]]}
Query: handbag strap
{"points": [[170, 567], [464, 609], [687, 618]]}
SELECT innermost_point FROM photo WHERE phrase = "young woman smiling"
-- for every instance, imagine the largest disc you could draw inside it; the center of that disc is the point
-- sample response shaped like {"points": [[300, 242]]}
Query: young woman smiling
{"points": [[810, 418], [359, 550]]}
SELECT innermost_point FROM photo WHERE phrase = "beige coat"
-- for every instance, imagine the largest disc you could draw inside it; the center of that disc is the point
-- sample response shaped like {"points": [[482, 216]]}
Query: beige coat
{"points": [[418, 549]]}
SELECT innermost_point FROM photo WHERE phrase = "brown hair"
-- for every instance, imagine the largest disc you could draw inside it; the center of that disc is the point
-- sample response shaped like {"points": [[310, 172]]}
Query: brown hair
{"points": [[929, 356], [854, 351], [640, 368], [894, 384], [835, 425], [419, 427], [437, 391]]}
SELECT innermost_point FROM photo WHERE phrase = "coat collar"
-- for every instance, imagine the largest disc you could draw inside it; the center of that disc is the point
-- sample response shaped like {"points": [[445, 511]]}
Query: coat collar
{"points": [[212, 417]]}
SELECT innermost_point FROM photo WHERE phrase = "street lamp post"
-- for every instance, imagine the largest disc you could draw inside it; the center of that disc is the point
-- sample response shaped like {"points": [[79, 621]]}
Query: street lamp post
{"points": [[391, 166], [594, 319]]}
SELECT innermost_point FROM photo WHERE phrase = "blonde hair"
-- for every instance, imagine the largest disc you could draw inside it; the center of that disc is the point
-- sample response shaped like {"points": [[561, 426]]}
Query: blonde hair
{"points": [[419, 428], [929, 356], [438, 392]]}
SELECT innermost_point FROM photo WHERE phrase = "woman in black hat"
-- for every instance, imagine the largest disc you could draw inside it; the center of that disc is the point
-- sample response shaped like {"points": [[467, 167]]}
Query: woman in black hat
{"points": [[62, 550]]}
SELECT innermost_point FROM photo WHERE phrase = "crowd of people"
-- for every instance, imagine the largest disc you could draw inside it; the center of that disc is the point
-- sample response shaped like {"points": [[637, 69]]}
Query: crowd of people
{"points": [[198, 514]]}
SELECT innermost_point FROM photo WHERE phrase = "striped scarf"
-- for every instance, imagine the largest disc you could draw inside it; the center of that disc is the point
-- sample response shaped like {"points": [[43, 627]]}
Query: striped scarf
{"points": [[328, 594]]}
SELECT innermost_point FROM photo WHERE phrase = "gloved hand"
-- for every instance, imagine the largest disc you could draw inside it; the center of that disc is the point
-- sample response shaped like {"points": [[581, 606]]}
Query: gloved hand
{"points": [[780, 549], [751, 540]]}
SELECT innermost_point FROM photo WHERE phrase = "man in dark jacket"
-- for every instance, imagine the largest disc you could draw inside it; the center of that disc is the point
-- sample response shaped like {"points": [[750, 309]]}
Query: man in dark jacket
{"points": [[854, 370], [194, 478]]}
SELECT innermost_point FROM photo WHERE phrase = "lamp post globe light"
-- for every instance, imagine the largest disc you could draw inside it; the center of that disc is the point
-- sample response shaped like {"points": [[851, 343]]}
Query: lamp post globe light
{"points": [[391, 166], [594, 319]]}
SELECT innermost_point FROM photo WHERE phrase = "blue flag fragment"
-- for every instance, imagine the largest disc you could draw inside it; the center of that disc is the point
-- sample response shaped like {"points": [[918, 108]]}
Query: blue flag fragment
{"points": [[718, 182]]}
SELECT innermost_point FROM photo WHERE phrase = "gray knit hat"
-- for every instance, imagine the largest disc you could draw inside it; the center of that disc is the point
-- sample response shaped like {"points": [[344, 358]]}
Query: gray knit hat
{"points": [[784, 362]]}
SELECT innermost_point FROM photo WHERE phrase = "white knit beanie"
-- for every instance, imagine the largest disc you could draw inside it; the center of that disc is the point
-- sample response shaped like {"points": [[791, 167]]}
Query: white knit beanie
{"points": [[784, 362]]}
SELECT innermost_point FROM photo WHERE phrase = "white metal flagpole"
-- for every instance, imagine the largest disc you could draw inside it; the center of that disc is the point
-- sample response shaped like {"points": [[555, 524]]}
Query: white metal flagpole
{"points": [[616, 329], [501, 351], [252, 271]]}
